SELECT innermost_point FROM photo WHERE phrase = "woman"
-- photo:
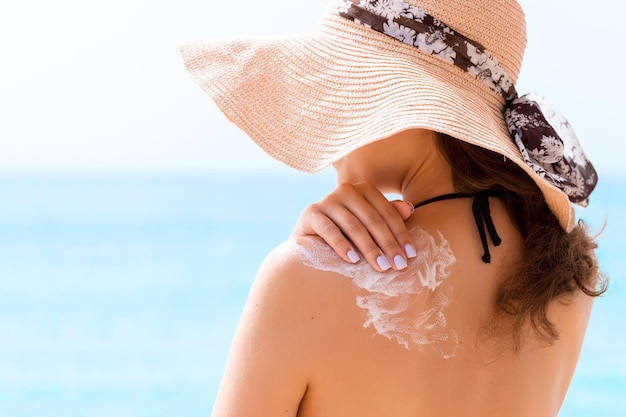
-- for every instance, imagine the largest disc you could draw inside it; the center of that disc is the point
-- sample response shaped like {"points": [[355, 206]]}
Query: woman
{"points": [[484, 311]]}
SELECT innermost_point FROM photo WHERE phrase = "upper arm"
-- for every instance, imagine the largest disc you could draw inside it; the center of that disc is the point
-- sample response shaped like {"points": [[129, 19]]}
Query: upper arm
{"points": [[268, 366]]}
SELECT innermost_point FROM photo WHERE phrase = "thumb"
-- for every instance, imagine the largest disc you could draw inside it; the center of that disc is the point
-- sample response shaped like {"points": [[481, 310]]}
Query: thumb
{"points": [[404, 208]]}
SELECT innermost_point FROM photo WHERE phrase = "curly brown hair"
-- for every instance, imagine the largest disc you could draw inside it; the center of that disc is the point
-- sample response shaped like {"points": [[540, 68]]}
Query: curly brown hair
{"points": [[556, 263]]}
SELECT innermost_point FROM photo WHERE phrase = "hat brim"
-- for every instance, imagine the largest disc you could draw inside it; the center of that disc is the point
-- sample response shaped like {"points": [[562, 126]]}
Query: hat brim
{"points": [[309, 100]]}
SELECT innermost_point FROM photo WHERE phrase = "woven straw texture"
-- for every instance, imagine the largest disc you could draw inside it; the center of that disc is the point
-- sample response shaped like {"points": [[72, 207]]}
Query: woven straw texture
{"points": [[309, 100]]}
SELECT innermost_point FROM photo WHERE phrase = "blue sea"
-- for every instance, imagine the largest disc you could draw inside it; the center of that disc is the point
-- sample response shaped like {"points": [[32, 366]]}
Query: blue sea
{"points": [[119, 295]]}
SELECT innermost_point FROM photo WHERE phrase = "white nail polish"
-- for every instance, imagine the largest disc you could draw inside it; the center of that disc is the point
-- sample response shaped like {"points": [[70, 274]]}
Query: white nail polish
{"points": [[410, 251], [399, 261], [353, 256], [383, 262]]}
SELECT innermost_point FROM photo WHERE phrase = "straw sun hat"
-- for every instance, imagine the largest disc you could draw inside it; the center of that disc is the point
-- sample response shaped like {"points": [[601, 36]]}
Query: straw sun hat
{"points": [[373, 68]]}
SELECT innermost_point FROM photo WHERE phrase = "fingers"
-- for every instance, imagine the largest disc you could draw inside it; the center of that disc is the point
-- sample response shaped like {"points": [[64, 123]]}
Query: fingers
{"points": [[404, 208], [315, 221], [378, 230], [358, 218]]}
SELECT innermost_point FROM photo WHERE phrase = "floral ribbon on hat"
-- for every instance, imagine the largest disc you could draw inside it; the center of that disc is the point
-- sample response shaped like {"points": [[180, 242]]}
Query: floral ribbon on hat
{"points": [[545, 139]]}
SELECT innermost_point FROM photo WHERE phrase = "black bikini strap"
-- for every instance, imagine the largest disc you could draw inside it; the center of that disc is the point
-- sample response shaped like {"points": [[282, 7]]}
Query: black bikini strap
{"points": [[482, 216], [443, 197]]}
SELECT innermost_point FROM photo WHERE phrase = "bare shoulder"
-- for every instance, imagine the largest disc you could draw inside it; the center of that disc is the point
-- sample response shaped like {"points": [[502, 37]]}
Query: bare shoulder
{"points": [[301, 259], [306, 251], [286, 322], [303, 277], [289, 255], [300, 279]]}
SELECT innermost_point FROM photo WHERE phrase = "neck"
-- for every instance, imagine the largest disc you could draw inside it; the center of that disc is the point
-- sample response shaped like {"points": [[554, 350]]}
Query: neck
{"points": [[429, 178], [408, 163]]}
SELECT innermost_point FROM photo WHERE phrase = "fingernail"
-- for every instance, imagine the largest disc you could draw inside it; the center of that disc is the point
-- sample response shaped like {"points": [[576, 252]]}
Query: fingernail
{"points": [[410, 251], [353, 256], [383, 262], [399, 261], [410, 205]]}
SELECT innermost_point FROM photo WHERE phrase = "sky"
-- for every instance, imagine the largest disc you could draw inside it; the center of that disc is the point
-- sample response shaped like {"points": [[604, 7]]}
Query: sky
{"points": [[99, 87]]}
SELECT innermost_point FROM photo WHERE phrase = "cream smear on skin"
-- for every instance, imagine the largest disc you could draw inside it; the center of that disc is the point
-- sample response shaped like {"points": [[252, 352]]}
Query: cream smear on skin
{"points": [[406, 306]]}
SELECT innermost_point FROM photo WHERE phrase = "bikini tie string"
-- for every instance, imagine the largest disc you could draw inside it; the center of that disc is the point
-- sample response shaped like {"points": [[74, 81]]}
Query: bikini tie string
{"points": [[482, 217]]}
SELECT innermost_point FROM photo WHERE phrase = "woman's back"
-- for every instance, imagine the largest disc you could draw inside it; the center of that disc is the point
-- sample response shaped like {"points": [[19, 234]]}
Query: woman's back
{"points": [[343, 340]]}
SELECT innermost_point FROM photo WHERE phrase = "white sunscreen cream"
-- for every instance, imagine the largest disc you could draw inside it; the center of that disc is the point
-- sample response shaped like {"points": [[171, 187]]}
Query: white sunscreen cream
{"points": [[406, 306]]}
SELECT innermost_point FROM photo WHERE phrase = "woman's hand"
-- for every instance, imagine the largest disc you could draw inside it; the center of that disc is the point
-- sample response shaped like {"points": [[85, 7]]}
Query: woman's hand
{"points": [[358, 218]]}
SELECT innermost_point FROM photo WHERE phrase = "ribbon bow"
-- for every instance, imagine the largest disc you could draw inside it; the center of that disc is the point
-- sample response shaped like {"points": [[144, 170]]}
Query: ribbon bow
{"points": [[550, 147]]}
